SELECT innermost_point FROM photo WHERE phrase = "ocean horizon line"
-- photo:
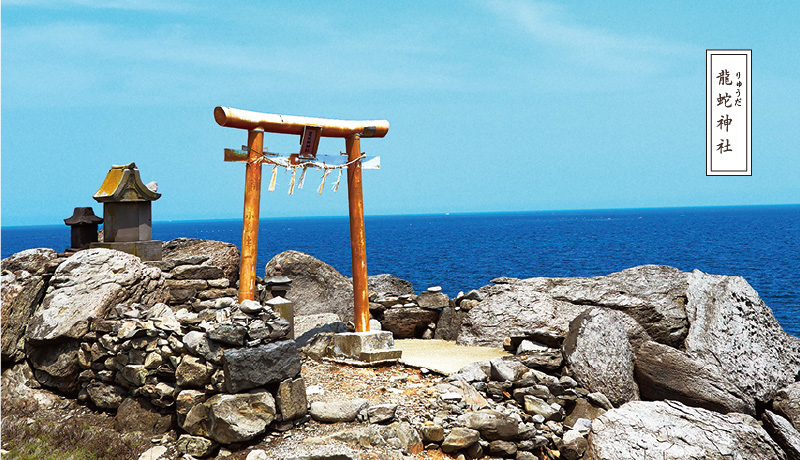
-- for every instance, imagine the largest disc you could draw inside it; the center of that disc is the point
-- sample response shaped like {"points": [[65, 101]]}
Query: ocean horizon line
{"points": [[463, 213]]}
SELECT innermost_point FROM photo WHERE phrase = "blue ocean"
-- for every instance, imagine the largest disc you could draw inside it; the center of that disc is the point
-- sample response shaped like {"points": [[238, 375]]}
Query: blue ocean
{"points": [[465, 251]]}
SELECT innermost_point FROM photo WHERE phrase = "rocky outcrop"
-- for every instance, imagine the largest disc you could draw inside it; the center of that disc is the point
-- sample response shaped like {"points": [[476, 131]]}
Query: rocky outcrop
{"points": [[600, 357], [224, 256], [316, 286], [34, 261], [24, 281], [21, 294], [732, 328], [671, 430], [663, 372], [654, 296]]}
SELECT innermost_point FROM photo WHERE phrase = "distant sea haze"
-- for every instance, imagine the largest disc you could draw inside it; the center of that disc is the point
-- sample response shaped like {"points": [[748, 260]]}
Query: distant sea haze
{"points": [[465, 251]]}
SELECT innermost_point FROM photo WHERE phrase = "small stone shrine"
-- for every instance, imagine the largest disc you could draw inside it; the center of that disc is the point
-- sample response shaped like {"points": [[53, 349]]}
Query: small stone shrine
{"points": [[83, 228], [127, 219]]}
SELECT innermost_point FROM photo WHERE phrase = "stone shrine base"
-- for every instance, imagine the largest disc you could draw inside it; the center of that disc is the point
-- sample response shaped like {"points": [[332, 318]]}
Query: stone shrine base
{"points": [[372, 348], [145, 250]]}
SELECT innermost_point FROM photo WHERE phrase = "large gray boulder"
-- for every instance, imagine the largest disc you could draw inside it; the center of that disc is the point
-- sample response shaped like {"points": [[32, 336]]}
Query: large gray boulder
{"points": [[732, 328], [511, 308], [217, 253], [21, 294], [669, 430], [316, 286], [450, 320], [600, 357], [666, 373], [653, 295], [88, 285]]}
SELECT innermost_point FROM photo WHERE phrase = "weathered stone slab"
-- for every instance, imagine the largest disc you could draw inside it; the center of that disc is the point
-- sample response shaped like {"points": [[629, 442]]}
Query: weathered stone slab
{"points": [[492, 425], [663, 372], [600, 357], [787, 403], [338, 411], [460, 438], [21, 294], [247, 368], [198, 272], [408, 322], [352, 344], [430, 299], [783, 433]]}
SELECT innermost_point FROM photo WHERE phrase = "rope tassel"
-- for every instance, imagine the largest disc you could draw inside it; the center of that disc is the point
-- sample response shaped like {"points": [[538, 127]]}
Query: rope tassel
{"points": [[338, 178], [274, 177], [322, 185], [291, 183], [302, 177]]}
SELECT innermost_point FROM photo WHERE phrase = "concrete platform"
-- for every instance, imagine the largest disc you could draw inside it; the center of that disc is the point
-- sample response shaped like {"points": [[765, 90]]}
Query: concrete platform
{"points": [[443, 356], [368, 347]]}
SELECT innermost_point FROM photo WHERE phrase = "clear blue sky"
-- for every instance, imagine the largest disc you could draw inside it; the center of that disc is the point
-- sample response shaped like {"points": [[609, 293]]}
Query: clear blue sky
{"points": [[494, 106]]}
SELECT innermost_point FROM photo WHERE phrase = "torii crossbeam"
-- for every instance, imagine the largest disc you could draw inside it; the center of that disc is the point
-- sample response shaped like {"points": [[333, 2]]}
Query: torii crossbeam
{"points": [[311, 129]]}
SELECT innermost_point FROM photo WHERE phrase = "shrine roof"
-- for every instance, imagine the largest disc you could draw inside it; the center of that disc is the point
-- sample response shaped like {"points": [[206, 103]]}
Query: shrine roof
{"points": [[123, 184]]}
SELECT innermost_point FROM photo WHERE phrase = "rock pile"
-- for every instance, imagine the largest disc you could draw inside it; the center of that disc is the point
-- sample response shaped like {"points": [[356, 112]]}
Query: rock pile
{"points": [[210, 369], [103, 330]]}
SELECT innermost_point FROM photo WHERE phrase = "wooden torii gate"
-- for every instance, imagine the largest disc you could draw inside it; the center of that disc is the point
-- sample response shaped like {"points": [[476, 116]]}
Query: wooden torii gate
{"points": [[311, 129]]}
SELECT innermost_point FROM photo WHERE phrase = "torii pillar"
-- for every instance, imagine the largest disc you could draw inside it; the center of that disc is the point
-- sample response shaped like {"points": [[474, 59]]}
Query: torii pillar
{"points": [[352, 131]]}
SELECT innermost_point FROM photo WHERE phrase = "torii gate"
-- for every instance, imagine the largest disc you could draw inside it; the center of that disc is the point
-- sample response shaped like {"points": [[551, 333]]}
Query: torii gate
{"points": [[311, 129]]}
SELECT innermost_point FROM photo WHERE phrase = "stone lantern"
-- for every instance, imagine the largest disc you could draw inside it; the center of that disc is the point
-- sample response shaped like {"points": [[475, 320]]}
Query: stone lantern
{"points": [[83, 228], [127, 219]]}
